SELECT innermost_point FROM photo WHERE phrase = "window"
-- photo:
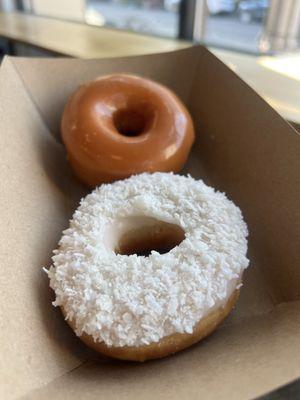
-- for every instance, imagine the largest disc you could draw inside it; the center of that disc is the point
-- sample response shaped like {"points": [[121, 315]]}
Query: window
{"points": [[156, 17], [257, 26], [235, 24]]}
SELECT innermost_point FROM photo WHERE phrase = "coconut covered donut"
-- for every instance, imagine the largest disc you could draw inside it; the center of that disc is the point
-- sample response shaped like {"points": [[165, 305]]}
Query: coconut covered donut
{"points": [[149, 265]]}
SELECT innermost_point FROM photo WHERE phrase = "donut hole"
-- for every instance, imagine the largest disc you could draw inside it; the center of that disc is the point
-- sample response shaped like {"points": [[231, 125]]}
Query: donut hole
{"points": [[132, 122], [154, 235]]}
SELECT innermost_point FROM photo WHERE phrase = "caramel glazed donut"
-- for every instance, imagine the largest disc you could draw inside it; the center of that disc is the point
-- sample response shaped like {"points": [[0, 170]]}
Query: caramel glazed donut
{"points": [[120, 125], [128, 301]]}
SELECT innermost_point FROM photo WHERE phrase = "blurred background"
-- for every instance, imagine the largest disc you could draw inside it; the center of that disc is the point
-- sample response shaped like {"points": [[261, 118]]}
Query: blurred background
{"points": [[253, 26], [258, 39]]}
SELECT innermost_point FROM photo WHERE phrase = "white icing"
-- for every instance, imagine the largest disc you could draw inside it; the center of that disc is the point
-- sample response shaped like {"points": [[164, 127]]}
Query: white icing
{"points": [[136, 300]]}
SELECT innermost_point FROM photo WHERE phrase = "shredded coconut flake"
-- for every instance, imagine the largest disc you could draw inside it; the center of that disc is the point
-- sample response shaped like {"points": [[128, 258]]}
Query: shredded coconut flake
{"points": [[136, 300]]}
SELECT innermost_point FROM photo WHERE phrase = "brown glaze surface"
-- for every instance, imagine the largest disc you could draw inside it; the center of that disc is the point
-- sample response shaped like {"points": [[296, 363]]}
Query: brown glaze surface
{"points": [[121, 125]]}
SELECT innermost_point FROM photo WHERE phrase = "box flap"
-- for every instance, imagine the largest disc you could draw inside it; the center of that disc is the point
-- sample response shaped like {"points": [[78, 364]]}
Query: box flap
{"points": [[236, 362], [36, 346], [254, 155]]}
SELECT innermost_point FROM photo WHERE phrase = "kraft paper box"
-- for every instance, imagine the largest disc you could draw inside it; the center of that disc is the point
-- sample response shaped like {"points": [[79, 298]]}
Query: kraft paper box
{"points": [[243, 147]]}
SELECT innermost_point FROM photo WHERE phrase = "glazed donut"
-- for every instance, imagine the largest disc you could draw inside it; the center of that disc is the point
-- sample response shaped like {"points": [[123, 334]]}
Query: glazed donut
{"points": [[149, 265], [120, 125]]}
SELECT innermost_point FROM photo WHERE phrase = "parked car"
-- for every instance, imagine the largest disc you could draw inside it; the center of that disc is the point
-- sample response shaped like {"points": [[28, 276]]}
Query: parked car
{"points": [[251, 10], [214, 6], [172, 5], [221, 6]]}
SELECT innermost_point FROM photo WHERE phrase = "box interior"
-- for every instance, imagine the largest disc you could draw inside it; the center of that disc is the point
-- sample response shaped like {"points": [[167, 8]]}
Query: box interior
{"points": [[243, 147]]}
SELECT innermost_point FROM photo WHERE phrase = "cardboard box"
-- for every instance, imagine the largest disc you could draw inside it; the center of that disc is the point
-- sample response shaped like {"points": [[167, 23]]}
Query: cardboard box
{"points": [[243, 147]]}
